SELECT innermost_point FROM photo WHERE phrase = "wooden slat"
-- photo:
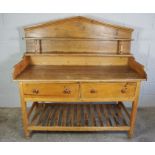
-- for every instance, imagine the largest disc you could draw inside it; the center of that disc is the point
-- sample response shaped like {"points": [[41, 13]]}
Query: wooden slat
{"points": [[64, 115], [31, 109], [93, 121], [86, 118], [36, 115], [45, 121], [54, 118], [72, 115], [78, 115], [68, 115], [51, 114], [56, 115], [106, 115], [121, 118], [124, 116], [113, 112], [111, 120], [41, 128], [99, 114], [117, 115], [43, 114], [125, 110], [112, 115], [103, 115]]}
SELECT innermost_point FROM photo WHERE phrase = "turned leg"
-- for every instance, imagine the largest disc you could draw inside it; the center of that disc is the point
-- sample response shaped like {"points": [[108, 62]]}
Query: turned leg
{"points": [[134, 112], [24, 113]]}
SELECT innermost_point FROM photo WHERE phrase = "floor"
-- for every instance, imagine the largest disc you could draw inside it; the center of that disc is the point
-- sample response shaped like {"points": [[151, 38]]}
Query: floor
{"points": [[11, 130]]}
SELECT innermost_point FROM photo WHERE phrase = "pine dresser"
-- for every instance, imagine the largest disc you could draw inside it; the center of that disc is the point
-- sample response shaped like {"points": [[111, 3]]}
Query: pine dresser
{"points": [[78, 74]]}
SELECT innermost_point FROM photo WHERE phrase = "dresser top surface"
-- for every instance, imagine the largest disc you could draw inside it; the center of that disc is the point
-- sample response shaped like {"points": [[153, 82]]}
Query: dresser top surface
{"points": [[78, 73]]}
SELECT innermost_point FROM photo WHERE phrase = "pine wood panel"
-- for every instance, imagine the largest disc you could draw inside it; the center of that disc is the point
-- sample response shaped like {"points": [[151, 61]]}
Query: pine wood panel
{"points": [[78, 34], [78, 73], [21, 66], [56, 90], [137, 67], [100, 47], [77, 54], [113, 91], [78, 60], [77, 27], [74, 46]]}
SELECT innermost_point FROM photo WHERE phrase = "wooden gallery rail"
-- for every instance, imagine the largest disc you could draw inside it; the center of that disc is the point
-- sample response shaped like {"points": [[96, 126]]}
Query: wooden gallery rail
{"points": [[77, 72]]}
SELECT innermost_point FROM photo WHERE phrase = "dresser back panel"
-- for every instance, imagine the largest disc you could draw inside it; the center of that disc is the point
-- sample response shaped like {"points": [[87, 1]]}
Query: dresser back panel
{"points": [[78, 60], [78, 46], [74, 46], [78, 34]]}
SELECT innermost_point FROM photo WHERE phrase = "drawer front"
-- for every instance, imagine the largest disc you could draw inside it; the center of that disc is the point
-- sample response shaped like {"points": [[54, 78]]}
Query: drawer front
{"points": [[107, 91], [56, 90]]}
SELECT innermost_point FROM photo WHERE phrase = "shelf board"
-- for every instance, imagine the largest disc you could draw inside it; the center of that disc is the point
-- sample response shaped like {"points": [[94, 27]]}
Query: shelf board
{"points": [[77, 54], [79, 117], [77, 39]]}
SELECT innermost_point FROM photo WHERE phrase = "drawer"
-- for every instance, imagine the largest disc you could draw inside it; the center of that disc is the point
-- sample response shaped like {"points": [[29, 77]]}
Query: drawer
{"points": [[56, 90], [107, 91]]}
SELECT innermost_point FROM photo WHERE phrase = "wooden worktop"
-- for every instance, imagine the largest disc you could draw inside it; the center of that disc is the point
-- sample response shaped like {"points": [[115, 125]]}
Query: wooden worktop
{"points": [[78, 73]]}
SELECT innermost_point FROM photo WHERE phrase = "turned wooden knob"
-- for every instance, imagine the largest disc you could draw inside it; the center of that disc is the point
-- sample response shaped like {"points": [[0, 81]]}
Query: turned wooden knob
{"points": [[124, 89], [35, 91], [67, 91], [92, 91]]}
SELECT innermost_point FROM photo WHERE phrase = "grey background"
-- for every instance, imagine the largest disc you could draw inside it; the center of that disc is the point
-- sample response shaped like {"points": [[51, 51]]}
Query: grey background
{"points": [[12, 48]]}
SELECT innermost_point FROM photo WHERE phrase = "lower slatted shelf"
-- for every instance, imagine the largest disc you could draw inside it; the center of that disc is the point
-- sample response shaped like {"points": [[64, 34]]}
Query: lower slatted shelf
{"points": [[78, 117]]}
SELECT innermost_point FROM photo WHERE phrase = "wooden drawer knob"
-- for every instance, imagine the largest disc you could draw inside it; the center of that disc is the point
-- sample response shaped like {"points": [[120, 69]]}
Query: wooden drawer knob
{"points": [[67, 91], [35, 91], [123, 91], [93, 91]]}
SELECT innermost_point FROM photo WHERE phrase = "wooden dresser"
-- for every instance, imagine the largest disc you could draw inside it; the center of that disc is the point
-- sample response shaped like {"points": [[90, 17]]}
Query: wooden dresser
{"points": [[75, 75]]}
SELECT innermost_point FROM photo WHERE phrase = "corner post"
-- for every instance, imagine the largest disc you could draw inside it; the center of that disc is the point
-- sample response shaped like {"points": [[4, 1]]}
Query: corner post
{"points": [[134, 111], [24, 111]]}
